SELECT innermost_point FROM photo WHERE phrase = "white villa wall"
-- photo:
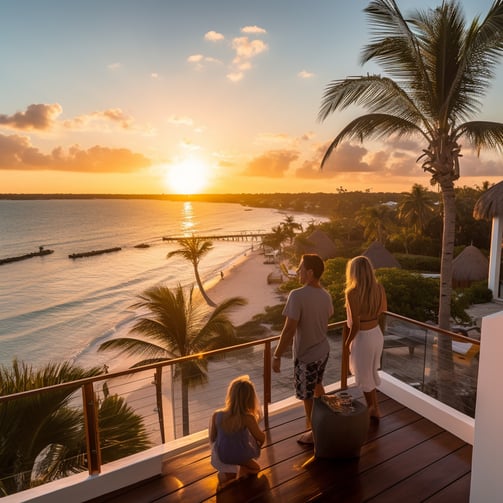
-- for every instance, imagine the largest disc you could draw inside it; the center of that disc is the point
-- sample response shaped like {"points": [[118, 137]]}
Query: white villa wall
{"points": [[487, 459]]}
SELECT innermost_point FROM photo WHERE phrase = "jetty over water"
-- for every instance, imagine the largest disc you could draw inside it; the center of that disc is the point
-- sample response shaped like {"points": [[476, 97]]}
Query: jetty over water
{"points": [[231, 236], [40, 253]]}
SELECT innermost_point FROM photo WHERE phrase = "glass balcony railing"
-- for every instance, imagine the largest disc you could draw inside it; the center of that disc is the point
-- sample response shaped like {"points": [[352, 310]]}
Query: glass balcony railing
{"points": [[155, 403], [413, 354]]}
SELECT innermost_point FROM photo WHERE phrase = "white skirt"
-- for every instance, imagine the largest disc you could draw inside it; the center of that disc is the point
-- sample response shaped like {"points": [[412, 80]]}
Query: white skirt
{"points": [[365, 358]]}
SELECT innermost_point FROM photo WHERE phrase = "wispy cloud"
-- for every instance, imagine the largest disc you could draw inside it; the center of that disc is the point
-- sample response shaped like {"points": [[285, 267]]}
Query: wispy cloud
{"points": [[304, 74], [100, 120], [244, 49]]}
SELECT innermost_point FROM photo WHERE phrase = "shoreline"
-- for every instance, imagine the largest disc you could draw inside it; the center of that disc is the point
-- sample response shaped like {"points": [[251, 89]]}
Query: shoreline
{"points": [[246, 277]]}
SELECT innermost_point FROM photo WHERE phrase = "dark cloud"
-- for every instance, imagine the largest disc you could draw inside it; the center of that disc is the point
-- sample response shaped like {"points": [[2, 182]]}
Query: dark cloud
{"points": [[346, 158], [17, 153], [272, 164], [39, 116]]}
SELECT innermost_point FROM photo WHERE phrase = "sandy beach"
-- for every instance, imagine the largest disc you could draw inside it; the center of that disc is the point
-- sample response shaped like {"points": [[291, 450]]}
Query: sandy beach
{"points": [[247, 277]]}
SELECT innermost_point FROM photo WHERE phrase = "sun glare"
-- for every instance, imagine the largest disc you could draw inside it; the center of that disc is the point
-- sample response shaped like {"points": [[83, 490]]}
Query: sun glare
{"points": [[187, 177]]}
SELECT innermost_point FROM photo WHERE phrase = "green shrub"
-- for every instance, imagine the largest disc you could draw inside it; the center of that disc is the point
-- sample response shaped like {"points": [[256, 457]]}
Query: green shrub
{"points": [[420, 263], [478, 293], [410, 294]]}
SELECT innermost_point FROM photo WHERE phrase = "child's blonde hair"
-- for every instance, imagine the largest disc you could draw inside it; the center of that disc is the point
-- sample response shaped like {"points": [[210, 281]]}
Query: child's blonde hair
{"points": [[360, 277], [241, 400]]}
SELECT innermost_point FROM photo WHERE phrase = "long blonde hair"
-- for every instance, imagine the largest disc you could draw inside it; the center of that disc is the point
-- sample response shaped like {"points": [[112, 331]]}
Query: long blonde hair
{"points": [[241, 400], [360, 277]]}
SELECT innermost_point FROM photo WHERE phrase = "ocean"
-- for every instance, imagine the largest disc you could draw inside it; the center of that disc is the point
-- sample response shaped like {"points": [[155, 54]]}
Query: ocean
{"points": [[53, 308]]}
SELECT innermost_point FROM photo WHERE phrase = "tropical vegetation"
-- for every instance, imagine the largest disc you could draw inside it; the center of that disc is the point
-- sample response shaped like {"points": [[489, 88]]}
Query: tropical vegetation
{"points": [[439, 68], [42, 436], [193, 249], [170, 323]]}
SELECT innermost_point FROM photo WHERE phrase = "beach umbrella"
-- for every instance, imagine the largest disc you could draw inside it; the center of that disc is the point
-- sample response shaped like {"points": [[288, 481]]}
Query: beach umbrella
{"points": [[379, 256]]}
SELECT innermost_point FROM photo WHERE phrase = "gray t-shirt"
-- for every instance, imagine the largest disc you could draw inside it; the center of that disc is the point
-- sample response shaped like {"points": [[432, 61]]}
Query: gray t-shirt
{"points": [[311, 307]]}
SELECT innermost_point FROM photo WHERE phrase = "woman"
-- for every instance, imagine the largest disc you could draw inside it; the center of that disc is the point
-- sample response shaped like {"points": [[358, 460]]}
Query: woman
{"points": [[365, 301]]}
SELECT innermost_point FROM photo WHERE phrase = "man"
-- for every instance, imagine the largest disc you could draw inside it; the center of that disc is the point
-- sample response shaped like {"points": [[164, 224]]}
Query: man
{"points": [[307, 311]]}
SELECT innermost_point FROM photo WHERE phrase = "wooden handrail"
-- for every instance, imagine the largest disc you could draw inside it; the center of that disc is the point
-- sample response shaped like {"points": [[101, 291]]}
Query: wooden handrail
{"points": [[90, 402]]}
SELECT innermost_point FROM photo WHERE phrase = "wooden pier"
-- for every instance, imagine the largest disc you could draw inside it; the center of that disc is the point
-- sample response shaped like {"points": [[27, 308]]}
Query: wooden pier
{"points": [[234, 236]]}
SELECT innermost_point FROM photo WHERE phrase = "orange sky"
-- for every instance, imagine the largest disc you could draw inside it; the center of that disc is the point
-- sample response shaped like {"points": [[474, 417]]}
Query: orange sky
{"points": [[156, 100]]}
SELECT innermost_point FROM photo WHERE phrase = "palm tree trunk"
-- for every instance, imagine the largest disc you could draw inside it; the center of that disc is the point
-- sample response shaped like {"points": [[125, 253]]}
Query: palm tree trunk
{"points": [[201, 289], [445, 366]]}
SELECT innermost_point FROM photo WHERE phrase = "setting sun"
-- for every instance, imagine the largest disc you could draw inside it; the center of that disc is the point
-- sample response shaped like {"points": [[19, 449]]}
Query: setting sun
{"points": [[187, 177]]}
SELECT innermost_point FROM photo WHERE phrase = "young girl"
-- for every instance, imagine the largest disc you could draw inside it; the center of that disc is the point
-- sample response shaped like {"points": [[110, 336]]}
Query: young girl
{"points": [[234, 432], [365, 301]]}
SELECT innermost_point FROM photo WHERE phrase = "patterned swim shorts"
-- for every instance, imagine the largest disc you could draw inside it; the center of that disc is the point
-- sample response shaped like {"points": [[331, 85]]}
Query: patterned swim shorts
{"points": [[307, 376]]}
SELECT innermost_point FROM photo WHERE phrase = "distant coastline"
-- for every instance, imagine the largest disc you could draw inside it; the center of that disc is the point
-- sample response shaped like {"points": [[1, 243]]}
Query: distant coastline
{"points": [[340, 203]]}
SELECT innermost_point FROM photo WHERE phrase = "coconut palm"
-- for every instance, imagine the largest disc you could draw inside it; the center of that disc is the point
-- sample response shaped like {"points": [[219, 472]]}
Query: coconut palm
{"points": [[275, 238], [41, 436], [290, 226], [417, 208], [194, 249], [439, 68], [172, 324], [377, 222]]}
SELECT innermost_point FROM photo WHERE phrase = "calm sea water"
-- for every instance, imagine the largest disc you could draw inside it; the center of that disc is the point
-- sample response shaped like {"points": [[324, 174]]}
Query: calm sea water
{"points": [[54, 308]]}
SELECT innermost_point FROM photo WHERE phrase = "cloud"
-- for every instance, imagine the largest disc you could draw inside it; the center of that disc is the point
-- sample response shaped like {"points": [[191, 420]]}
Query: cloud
{"points": [[274, 138], [346, 158], [37, 116], [213, 36], [195, 58], [253, 29], [271, 164], [100, 120], [304, 74], [114, 66], [178, 120], [246, 49], [17, 153]]}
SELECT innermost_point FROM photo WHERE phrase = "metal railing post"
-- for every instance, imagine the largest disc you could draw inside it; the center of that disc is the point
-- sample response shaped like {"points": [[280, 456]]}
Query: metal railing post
{"points": [[344, 358], [158, 395], [267, 381], [92, 429]]}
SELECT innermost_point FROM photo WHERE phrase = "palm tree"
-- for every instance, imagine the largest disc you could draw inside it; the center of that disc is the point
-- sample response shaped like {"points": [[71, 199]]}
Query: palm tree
{"points": [[194, 249], [417, 208], [290, 226], [439, 69], [172, 325], [41, 436], [275, 238], [377, 222]]}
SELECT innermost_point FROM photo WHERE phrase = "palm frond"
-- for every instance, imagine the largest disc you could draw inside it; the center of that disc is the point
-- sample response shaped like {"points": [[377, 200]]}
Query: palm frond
{"points": [[482, 134], [373, 126]]}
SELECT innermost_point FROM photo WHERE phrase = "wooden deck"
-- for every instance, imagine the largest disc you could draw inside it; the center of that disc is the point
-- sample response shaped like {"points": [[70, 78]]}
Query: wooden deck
{"points": [[406, 458]]}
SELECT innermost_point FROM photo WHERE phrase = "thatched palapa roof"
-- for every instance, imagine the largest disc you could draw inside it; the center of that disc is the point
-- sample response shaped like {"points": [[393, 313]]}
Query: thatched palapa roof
{"points": [[317, 242], [490, 203], [470, 265], [380, 257]]}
